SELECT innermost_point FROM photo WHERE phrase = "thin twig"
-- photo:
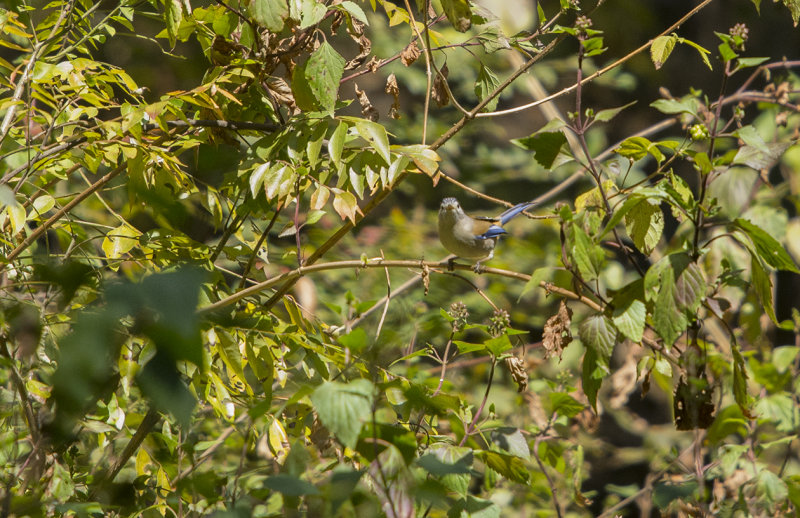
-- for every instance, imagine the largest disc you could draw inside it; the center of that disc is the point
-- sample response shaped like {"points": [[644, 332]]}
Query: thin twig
{"points": [[600, 72]]}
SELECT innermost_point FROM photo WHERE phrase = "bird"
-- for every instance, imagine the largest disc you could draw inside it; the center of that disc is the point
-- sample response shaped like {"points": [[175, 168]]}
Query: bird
{"points": [[472, 238]]}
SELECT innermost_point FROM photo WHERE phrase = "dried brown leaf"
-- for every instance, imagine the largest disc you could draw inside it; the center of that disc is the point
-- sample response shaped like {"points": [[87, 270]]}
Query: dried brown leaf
{"points": [[367, 110], [440, 91], [365, 47], [394, 90], [557, 334], [516, 367], [410, 54]]}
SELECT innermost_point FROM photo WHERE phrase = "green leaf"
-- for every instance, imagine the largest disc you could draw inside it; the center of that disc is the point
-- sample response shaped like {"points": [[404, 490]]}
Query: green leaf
{"points": [[269, 13], [677, 286], [228, 349], [160, 381], [256, 179], [486, 84], [592, 373], [172, 17], [636, 148], [279, 181], [120, 241], [510, 466], [564, 404], [661, 49], [630, 311], [376, 135], [665, 493], [354, 10], [344, 408], [676, 106], [498, 345], [740, 382], [545, 146], [355, 340], [704, 53], [588, 256], [762, 284], [458, 13], [290, 485], [511, 440], [609, 113], [770, 489], [768, 248], [597, 332], [336, 143], [313, 13], [644, 224], [320, 75]]}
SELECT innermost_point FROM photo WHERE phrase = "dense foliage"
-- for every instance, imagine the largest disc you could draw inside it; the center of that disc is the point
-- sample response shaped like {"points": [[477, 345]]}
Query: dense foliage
{"points": [[223, 293]]}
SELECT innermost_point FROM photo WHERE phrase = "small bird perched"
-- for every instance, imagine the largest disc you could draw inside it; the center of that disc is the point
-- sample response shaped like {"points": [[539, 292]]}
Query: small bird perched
{"points": [[472, 238]]}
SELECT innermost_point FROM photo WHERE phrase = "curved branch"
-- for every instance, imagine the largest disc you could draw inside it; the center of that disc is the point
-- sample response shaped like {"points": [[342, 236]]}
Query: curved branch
{"points": [[377, 262]]}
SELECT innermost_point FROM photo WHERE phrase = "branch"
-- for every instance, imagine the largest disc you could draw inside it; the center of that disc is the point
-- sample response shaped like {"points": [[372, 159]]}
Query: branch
{"points": [[33, 236], [600, 72], [378, 262], [148, 422]]}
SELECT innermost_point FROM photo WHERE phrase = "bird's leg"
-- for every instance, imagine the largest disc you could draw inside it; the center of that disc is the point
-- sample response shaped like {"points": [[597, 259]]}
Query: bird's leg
{"points": [[451, 264], [478, 267]]}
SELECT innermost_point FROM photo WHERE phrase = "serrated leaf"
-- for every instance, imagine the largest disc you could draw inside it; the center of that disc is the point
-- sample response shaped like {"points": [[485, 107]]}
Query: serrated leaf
{"points": [[376, 135], [564, 404], [545, 146], [644, 224], [510, 466], [598, 333], [486, 84], [762, 284], [675, 106], [588, 256], [322, 73], [312, 13], [630, 312], [592, 373], [269, 13], [768, 248], [636, 148], [344, 408], [355, 11], [661, 49], [677, 286]]}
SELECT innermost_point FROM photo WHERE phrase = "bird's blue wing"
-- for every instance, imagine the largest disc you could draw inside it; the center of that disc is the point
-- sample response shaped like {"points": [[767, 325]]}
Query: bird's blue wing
{"points": [[493, 231]]}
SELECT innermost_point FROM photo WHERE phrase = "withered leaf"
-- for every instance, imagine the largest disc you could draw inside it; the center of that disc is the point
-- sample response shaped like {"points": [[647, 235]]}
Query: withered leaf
{"points": [[440, 91], [517, 369], [367, 110], [394, 90], [693, 405], [365, 47], [410, 54], [556, 331]]}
